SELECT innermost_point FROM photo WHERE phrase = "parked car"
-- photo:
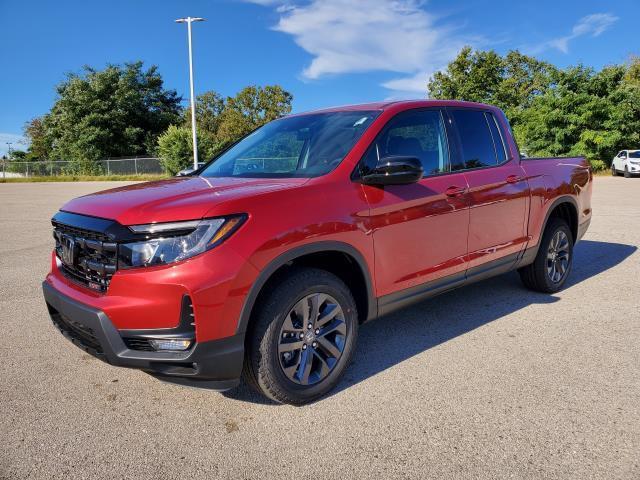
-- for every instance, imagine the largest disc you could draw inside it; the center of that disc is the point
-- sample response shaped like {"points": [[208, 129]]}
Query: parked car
{"points": [[188, 171], [267, 262], [627, 162]]}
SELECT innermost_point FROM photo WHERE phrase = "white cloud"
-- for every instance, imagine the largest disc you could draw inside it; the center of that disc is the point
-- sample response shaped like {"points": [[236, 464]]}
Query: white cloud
{"points": [[592, 25], [409, 87], [18, 142], [351, 36]]}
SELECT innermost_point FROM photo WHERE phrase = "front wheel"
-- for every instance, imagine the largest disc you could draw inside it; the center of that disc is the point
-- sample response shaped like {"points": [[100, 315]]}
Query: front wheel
{"points": [[303, 337], [550, 270], [626, 172]]}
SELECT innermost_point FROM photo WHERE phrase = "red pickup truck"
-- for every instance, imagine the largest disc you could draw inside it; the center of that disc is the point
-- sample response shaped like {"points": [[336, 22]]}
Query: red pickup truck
{"points": [[263, 263]]}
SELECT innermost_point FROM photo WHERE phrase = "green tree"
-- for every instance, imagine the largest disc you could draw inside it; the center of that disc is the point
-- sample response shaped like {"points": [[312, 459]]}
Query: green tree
{"points": [[251, 108], [588, 113], [118, 111], [209, 107], [473, 76], [573, 111], [224, 121], [40, 145], [510, 82], [175, 148]]}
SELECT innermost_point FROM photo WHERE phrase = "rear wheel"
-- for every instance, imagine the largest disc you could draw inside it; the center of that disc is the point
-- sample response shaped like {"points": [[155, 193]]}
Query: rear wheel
{"points": [[302, 338], [550, 270], [614, 172]]}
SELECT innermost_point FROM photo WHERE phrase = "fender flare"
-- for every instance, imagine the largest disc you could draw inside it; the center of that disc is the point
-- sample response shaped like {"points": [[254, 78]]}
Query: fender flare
{"points": [[554, 204], [529, 254], [297, 252]]}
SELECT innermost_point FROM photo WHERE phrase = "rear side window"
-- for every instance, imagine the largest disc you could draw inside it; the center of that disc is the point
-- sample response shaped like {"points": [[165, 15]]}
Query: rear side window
{"points": [[478, 148]]}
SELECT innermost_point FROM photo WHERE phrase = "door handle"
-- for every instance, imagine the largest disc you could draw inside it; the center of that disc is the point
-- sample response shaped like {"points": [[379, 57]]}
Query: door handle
{"points": [[454, 191], [514, 179]]}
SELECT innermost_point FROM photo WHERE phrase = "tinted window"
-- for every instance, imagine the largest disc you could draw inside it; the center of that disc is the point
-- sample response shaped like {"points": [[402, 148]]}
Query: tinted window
{"points": [[498, 144], [634, 154], [298, 146], [475, 137], [418, 134]]}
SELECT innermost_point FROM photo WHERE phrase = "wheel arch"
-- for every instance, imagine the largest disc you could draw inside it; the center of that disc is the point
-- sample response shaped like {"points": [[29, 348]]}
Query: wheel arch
{"points": [[310, 255], [566, 208]]}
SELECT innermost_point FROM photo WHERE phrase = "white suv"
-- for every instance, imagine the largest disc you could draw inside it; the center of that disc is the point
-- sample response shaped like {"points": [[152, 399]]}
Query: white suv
{"points": [[627, 162]]}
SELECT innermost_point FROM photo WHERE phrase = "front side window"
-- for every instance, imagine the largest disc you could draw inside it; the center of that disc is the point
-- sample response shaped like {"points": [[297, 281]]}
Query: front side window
{"points": [[476, 139], [299, 146], [419, 134]]}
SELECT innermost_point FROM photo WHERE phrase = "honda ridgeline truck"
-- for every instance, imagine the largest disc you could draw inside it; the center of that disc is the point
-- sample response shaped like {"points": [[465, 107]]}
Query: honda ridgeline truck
{"points": [[263, 263]]}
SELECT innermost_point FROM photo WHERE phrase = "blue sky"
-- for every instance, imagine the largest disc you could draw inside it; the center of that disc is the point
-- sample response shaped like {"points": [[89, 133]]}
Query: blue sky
{"points": [[326, 52]]}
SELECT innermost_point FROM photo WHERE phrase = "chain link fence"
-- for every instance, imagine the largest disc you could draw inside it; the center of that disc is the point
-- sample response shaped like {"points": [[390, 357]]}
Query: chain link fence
{"points": [[112, 166]]}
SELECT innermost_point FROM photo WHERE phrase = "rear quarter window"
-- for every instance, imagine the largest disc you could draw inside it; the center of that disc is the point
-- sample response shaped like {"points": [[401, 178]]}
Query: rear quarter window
{"points": [[498, 143]]}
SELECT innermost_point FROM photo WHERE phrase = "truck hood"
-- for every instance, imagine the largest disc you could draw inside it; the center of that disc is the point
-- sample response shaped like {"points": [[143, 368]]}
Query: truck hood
{"points": [[186, 198]]}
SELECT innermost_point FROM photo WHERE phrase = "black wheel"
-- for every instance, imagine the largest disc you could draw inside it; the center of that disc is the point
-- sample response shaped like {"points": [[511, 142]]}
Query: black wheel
{"points": [[626, 172], [552, 265], [302, 338], [614, 172]]}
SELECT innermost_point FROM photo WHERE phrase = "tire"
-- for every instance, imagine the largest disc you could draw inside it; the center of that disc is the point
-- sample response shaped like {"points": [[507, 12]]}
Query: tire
{"points": [[540, 276], [280, 343], [614, 172], [626, 172]]}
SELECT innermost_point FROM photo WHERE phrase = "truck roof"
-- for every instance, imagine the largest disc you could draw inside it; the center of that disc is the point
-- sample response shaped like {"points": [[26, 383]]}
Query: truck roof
{"points": [[397, 104]]}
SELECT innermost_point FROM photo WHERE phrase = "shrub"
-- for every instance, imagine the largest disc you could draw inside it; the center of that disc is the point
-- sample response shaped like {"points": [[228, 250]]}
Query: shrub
{"points": [[175, 148], [598, 165]]}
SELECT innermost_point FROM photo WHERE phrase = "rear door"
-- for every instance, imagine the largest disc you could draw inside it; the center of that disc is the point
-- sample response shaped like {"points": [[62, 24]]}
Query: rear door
{"points": [[498, 191]]}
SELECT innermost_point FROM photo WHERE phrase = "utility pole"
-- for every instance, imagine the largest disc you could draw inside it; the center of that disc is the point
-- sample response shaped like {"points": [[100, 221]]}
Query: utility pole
{"points": [[189, 21]]}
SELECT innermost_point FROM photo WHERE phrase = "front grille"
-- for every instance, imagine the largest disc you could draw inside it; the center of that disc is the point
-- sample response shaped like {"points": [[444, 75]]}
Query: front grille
{"points": [[88, 257]]}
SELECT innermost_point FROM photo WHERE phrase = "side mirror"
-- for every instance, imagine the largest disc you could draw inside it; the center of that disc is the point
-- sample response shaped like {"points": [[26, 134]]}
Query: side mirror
{"points": [[394, 171]]}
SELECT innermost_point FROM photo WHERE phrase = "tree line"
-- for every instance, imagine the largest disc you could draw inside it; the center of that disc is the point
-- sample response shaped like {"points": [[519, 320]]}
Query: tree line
{"points": [[125, 110], [553, 112]]}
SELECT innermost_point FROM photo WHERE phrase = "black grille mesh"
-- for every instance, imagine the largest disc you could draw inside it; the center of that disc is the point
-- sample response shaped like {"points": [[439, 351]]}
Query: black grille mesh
{"points": [[94, 256]]}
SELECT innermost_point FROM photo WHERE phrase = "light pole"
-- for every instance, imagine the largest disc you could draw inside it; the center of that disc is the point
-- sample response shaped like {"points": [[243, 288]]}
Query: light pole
{"points": [[9, 149], [189, 21]]}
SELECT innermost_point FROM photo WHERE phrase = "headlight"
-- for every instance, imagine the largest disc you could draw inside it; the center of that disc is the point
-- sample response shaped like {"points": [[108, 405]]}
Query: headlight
{"points": [[172, 242], [635, 162]]}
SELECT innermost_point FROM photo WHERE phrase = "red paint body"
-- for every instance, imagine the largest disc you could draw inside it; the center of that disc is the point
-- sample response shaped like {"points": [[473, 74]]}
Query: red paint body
{"points": [[407, 234]]}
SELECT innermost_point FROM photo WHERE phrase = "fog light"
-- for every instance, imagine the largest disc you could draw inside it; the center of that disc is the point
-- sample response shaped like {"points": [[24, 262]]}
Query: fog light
{"points": [[171, 344]]}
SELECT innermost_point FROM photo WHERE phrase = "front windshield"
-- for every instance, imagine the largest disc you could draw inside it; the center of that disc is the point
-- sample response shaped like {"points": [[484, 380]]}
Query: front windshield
{"points": [[634, 154], [298, 146]]}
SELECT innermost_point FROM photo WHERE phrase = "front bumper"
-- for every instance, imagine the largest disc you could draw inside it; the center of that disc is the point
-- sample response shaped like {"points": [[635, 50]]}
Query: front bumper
{"points": [[215, 364]]}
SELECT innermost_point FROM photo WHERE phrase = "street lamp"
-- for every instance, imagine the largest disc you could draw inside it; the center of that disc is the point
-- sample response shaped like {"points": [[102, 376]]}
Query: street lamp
{"points": [[189, 21], [9, 149]]}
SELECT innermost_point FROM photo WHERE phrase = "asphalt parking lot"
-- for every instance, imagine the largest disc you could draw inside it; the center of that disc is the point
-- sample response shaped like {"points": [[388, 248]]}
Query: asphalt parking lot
{"points": [[490, 381]]}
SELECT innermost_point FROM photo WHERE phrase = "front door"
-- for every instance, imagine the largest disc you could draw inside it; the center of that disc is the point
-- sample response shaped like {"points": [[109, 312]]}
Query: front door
{"points": [[419, 230]]}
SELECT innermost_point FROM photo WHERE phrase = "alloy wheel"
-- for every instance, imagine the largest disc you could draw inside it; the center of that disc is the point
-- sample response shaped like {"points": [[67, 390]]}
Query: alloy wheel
{"points": [[312, 339], [558, 257]]}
